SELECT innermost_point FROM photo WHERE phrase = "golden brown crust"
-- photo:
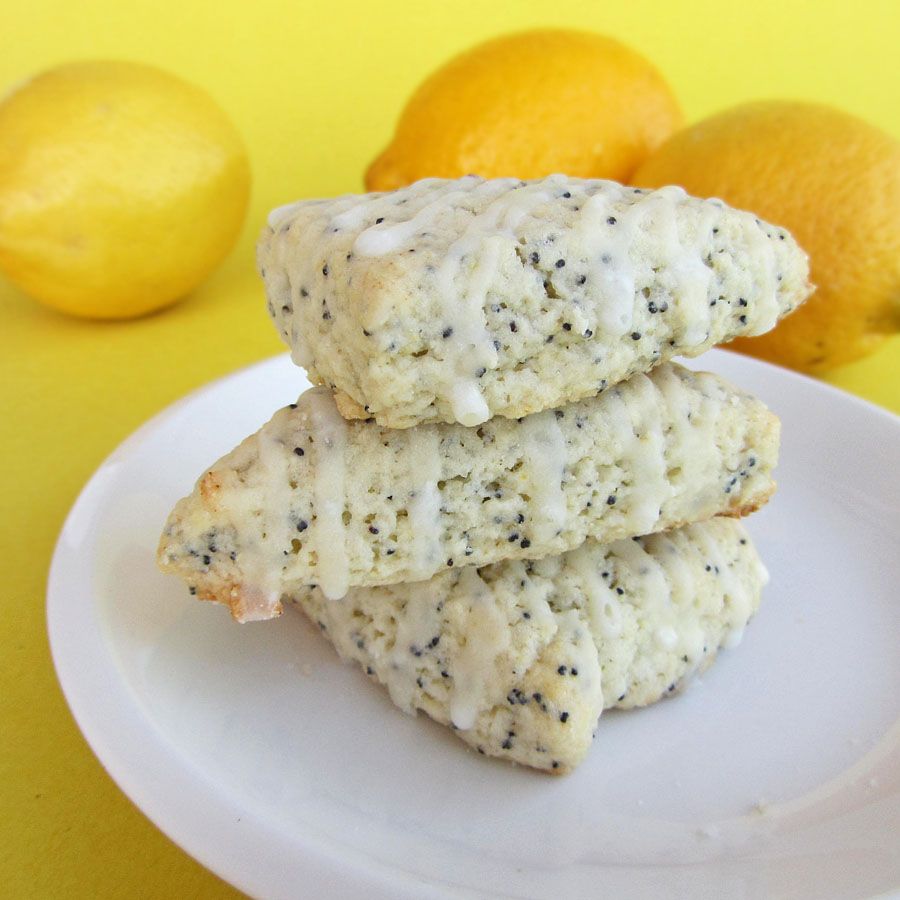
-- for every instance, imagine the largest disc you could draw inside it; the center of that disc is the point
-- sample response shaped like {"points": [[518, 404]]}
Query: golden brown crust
{"points": [[348, 407]]}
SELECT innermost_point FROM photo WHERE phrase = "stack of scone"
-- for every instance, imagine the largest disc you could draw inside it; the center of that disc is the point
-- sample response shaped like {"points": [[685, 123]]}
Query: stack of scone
{"points": [[504, 502]]}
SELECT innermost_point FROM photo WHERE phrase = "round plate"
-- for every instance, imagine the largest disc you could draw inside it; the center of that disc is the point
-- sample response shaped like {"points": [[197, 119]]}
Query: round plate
{"points": [[288, 773]]}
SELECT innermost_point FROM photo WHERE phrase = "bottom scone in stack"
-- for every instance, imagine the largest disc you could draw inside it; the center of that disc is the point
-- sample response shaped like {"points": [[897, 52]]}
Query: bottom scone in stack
{"points": [[510, 577]]}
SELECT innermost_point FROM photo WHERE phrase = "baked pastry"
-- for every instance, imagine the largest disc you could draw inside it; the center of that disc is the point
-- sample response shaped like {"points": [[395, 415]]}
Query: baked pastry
{"points": [[456, 301], [520, 657], [314, 499]]}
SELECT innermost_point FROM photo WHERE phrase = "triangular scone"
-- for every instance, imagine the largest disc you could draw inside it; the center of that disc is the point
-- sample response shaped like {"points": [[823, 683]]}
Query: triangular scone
{"points": [[456, 301], [521, 657], [314, 499]]}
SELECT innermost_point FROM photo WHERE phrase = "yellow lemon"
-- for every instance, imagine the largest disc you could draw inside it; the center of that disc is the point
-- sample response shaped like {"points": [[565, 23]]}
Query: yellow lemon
{"points": [[121, 188], [834, 181], [530, 104]]}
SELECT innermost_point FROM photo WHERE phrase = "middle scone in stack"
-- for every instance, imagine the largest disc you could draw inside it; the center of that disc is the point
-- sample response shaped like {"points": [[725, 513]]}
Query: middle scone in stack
{"points": [[504, 502]]}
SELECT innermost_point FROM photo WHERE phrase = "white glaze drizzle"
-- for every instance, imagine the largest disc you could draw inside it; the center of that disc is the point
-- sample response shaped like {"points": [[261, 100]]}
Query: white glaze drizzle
{"points": [[650, 223], [463, 291], [424, 505], [606, 249], [693, 450], [473, 667], [261, 591], [329, 534], [643, 456], [545, 462], [765, 311], [603, 606], [418, 624]]}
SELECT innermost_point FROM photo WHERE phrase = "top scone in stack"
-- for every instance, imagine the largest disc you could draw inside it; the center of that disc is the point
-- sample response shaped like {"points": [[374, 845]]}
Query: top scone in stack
{"points": [[503, 501]]}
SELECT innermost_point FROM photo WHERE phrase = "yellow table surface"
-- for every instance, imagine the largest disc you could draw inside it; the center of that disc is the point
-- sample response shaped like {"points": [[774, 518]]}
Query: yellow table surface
{"points": [[315, 89]]}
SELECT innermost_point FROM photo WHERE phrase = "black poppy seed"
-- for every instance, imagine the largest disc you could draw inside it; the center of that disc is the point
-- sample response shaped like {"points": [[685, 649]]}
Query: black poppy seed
{"points": [[549, 340], [562, 670], [567, 194], [620, 591], [192, 591], [325, 270], [555, 764], [496, 345], [299, 451], [450, 563], [671, 688], [560, 263], [526, 615], [567, 326], [588, 333], [604, 574], [708, 568], [525, 543], [370, 670], [389, 552], [446, 332], [507, 744], [535, 258], [373, 529], [469, 551], [611, 220], [379, 220], [742, 320], [445, 673], [513, 327], [206, 559], [360, 644], [563, 717], [326, 315], [611, 500], [233, 555], [513, 537], [304, 292], [742, 301], [479, 373], [581, 279], [415, 650], [712, 302], [652, 308], [520, 518], [635, 335]]}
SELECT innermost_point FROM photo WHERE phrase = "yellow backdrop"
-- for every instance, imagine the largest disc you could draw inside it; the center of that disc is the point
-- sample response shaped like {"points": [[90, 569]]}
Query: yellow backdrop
{"points": [[315, 88]]}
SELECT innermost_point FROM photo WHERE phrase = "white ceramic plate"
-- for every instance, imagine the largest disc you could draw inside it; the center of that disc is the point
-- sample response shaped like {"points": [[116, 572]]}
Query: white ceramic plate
{"points": [[290, 774]]}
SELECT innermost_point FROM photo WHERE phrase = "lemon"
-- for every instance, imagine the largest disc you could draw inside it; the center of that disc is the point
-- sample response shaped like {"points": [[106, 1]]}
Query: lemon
{"points": [[530, 104], [121, 188], [834, 181]]}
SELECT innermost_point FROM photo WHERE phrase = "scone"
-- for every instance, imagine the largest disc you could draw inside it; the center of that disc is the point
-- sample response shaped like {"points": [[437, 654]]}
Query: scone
{"points": [[519, 658], [314, 499], [456, 301]]}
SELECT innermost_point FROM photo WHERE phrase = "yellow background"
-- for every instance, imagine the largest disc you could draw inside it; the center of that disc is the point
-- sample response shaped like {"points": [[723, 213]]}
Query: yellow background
{"points": [[315, 89]]}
